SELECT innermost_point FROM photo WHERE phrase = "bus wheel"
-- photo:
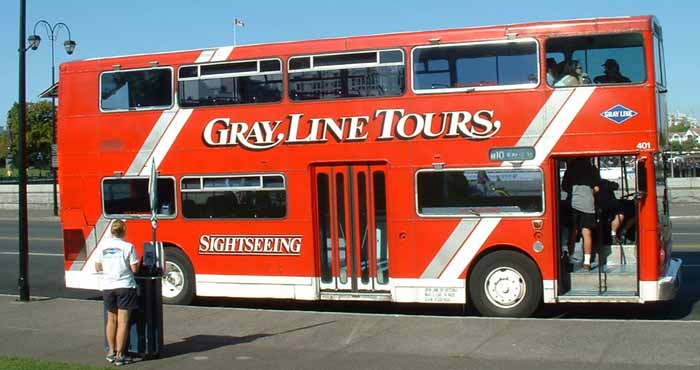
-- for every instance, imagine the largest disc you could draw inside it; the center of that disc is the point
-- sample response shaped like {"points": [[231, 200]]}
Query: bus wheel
{"points": [[178, 278], [505, 284]]}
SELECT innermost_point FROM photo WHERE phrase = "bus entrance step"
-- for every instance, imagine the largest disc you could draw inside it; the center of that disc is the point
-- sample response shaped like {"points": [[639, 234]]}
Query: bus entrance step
{"points": [[587, 296], [614, 278]]}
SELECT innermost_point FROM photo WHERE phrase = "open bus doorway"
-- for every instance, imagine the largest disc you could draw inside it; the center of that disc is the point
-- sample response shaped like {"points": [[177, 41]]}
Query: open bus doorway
{"points": [[613, 271]]}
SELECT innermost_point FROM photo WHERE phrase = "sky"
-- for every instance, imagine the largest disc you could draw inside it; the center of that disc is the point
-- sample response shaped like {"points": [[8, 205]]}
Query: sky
{"points": [[109, 28]]}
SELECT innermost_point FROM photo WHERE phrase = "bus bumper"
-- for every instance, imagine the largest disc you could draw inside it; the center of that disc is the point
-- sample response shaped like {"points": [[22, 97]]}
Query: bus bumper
{"points": [[666, 288]]}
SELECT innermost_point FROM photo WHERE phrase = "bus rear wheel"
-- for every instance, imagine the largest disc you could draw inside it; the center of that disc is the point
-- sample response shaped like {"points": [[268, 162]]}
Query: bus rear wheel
{"points": [[178, 278], [505, 284]]}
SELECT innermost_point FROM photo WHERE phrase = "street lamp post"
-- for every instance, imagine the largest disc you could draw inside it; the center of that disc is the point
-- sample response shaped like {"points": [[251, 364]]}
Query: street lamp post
{"points": [[69, 45], [23, 281]]}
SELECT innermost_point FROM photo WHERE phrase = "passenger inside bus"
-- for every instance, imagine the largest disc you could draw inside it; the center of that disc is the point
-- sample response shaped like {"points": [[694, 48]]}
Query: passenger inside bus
{"points": [[611, 74], [552, 71], [572, 74], [581, 181], [619, 214]]}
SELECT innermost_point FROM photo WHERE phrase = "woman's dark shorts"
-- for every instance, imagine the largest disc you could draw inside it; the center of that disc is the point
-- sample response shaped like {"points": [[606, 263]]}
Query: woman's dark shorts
{"points": [[122, 298], [583, 220]]}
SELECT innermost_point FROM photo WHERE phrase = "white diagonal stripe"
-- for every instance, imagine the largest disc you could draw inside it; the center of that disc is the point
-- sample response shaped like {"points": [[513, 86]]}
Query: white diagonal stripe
{"points": [[468, 250], [544, 117], [205, 56], [222, 54], [447, 251], [167, 140], [560, 124], [151, 141]]}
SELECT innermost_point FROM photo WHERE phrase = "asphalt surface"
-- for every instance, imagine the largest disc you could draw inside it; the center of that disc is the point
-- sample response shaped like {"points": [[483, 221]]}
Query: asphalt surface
{"points": [[224, 338]]}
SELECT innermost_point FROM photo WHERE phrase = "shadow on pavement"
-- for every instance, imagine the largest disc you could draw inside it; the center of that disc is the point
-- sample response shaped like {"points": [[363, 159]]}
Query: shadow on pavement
{"points": [[203, 343]]}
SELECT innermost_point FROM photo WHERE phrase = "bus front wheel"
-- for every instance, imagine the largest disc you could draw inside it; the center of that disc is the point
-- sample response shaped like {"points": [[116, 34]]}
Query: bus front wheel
{"points": [[178, 278], [506, 284]]}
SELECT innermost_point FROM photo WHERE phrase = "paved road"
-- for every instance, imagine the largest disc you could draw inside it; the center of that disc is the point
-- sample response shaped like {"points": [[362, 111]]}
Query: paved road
{"points": [[46, 279]]}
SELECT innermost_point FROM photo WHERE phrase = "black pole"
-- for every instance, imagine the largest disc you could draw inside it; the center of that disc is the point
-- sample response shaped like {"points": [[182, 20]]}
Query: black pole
{"points": [[53, 128], [23, 282]]}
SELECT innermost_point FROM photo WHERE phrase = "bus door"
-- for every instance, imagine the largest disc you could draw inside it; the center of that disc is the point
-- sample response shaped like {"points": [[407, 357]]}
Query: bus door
{"points": [[612, 271], [351, 227]]}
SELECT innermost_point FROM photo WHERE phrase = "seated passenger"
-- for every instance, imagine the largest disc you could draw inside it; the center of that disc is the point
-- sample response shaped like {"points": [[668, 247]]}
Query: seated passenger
{"points": [[621, 211], [552, 71], [612, 74], [571, 75]]}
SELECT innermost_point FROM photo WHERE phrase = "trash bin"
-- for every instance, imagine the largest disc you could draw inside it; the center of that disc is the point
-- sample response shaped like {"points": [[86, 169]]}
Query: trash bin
{"points": [[146, 332]]}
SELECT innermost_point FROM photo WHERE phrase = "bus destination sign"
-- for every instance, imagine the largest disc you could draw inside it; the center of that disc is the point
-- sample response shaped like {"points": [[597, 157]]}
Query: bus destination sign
{"points": [[518, 153]]}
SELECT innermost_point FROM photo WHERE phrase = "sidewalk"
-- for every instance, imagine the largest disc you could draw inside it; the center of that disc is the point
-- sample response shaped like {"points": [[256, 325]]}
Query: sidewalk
{"points": [[205, 338]]}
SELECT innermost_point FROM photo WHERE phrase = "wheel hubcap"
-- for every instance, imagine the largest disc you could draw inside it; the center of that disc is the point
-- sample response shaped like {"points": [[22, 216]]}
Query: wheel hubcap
{"points": [[173, 280], [505, 287]]}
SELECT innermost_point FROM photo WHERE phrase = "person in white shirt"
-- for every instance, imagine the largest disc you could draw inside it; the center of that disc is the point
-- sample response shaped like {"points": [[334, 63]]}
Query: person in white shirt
{"points": [[572, 75], [117, 260]]}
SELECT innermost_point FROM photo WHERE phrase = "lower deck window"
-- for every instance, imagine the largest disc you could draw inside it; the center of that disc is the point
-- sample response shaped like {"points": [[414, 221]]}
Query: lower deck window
{"points": [[129, 197], [240, 196], [480, 192]]}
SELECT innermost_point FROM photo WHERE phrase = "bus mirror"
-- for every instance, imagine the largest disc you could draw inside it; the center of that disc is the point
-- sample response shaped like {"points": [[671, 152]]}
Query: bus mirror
{"points": [[641, 178]]}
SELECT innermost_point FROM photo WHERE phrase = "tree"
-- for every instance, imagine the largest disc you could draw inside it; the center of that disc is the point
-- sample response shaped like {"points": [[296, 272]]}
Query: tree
{"points": [[38, 132], [3, 145]]}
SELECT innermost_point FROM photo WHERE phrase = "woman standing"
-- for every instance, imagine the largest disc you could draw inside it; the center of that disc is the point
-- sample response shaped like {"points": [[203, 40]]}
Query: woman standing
{"points": [[117, 260]]}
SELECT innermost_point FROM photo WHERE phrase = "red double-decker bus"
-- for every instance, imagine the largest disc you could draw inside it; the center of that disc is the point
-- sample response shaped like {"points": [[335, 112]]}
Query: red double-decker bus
{"points": [[410, 167]]}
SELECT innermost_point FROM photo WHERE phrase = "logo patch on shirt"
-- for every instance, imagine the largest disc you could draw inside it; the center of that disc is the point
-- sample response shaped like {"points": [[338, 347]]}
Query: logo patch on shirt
{"points": [[619, 114], [110, 251]]}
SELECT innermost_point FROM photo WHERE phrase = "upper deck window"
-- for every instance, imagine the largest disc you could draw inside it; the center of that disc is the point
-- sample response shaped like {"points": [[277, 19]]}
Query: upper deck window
{"points": [[247, 82], [477, 66], [347, 75], [595, 59], [136, 89]]}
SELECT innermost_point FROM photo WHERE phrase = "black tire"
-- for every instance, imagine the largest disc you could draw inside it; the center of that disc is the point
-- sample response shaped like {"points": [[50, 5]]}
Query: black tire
{"points": [[520, 274], [181, 276]]}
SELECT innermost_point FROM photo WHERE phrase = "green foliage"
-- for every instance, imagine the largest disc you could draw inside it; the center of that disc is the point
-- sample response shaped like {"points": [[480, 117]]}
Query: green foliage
{"points": [[686, 146], [680, 128], [3, 145], [39, 129], [13, 363]]}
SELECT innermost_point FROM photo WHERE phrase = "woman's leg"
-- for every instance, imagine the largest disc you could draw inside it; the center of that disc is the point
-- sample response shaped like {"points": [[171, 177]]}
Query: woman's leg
{"points": [[111, 330], [122, 331]]}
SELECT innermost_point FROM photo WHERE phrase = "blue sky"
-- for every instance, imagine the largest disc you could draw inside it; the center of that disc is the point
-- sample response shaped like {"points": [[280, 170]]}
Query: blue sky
{"points": [[106, 28]]}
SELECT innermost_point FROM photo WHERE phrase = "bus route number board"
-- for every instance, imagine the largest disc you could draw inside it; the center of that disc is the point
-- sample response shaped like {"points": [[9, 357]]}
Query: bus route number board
{"points": [[517, 154]]}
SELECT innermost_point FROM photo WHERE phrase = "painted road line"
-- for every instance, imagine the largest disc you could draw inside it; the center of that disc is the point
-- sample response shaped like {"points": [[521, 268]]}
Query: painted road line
{"points": [[37, 238], [35, 254]]}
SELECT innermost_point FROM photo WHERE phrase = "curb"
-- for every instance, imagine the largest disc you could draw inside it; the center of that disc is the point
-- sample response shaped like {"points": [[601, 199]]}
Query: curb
{"points": [[685, 217]]}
